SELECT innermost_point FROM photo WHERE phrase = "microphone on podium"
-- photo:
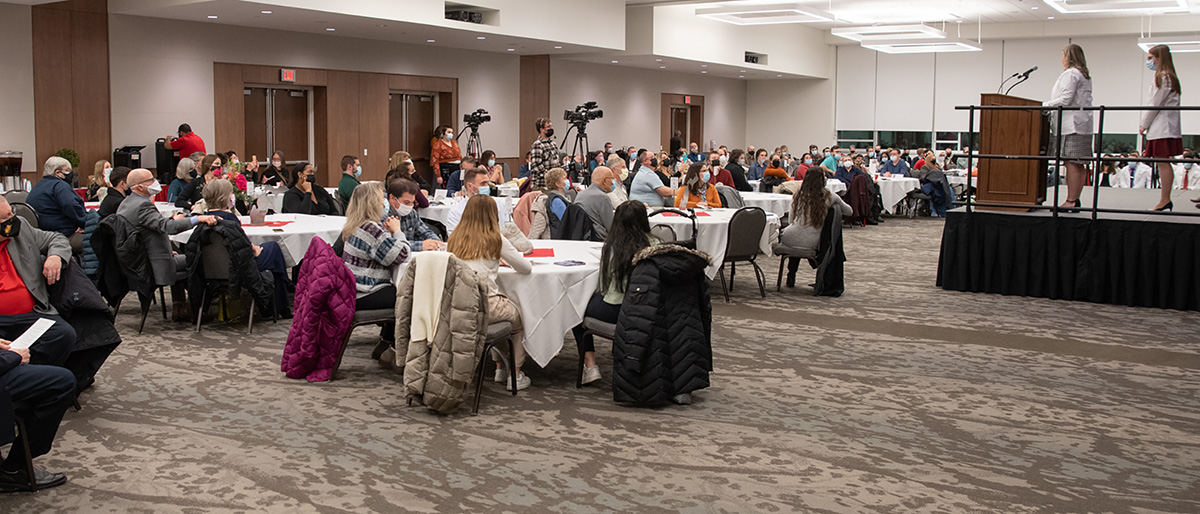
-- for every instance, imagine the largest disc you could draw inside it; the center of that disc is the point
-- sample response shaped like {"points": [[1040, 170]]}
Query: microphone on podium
{"points": [[1030, 70], [1023, 76]]}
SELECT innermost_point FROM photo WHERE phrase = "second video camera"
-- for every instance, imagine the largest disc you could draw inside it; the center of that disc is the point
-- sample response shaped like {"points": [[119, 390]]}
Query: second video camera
{"points": [[477, 118], [583, 114]]}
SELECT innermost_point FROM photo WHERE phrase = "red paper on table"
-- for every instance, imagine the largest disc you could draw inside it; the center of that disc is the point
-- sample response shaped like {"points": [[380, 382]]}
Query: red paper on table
{"points": [[270, 224], [676, 215], [702, 213], [541, 252]]}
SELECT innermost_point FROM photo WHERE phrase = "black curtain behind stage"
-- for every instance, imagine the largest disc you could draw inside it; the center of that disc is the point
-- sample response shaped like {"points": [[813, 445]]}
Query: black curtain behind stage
{"points": [[1135, 263]]}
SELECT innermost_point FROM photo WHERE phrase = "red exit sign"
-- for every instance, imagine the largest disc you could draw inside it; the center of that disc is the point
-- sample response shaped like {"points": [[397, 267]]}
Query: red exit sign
{"points": [[687, 99], [286, 75]]}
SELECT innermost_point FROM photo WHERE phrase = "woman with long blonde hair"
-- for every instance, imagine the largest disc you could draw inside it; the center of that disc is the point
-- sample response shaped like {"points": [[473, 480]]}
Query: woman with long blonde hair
{"points": [[99, 179], [372, 250], [1164, 137], [477, 241], [1073, 89]]}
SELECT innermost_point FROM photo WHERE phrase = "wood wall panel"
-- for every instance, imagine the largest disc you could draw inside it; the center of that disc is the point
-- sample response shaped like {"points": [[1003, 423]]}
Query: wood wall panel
{"points": [[373, 125], [92, 110], [343, 124], [535, 96], [229, 108]]}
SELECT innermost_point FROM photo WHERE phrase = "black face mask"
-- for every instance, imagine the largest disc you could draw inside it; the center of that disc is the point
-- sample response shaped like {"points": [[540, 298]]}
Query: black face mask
{"points": [[312, 179], [653, 163], [715, 164], [549, 133], [10, 228]]}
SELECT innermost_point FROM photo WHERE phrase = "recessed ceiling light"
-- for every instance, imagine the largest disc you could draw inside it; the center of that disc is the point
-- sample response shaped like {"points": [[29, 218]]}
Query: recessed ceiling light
{"points": [[1034, 7], [212, 17], [703, 71], [266, 12], [512, 49], [1049, 17], [741, 71], [330, 29], [558, 48], [431, 41], [703, 65], [662, 67], [658, 60], [1144, 6], [481, 37], [614, 62], [741, 76], [779, 75]]}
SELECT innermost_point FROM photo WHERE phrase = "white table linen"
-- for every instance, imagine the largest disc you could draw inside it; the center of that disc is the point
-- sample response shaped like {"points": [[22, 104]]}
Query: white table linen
{"points": [[440, 211], [894, 189], [167, 209], [714, 233], [777, 204], [833, 185], [293, 238]]}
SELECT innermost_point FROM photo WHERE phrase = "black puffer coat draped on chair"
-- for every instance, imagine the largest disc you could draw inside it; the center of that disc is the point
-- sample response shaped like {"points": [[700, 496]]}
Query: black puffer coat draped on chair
{"points": [[663, 339]]}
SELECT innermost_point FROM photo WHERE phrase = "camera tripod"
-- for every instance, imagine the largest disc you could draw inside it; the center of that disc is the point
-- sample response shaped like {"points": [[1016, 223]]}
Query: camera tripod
{"points": [[574, 170], [474, 145]]}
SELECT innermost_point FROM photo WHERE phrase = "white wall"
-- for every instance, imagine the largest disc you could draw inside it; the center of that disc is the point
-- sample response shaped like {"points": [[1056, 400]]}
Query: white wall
{"points": [[162, 74], [795, 113], [16, 83], [632, 102]]}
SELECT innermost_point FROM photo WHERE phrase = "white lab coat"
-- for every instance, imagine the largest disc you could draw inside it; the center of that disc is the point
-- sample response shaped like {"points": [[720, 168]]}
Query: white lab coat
{"points": [[1192, 175], [1162, 124], [1072, 90], [1142, 176]]}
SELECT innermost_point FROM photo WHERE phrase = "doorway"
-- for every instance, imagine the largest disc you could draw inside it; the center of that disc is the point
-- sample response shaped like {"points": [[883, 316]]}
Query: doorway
{"points": [[683, 113], [277, 119], [679, 123], [411, 119]]}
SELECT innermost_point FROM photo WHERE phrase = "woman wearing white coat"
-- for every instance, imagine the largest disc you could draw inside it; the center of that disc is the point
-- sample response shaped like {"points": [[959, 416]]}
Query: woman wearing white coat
{"points": [[1073, 89], [1164, 138]]}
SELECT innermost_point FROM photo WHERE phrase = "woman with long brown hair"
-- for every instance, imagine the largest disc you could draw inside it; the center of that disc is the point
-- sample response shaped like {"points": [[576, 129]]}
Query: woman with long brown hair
{"points": [[477, 241], [99, 180], [1164, 138], [809, 207], [1073, 89], [695, 191], [444, 154]]}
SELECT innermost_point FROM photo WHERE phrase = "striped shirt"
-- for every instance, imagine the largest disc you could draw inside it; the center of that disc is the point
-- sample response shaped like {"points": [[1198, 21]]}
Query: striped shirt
{"points": [[371, 253]]}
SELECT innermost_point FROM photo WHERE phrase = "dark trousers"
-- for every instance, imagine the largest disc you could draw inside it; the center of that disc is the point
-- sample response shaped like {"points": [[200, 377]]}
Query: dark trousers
{"points": [[50, 349], [937, 198], [40, 395], [271, 259], [601, 310], [384, 298], [179, 288]]}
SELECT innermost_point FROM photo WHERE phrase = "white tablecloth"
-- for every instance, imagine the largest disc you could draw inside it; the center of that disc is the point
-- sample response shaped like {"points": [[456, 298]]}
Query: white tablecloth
{"points": [[895, 189], [778, 204], [714, 233], [553, 298], [293, 238], [440, 211], [833, 185], [272, 198], [165, 208], [960, 180]]}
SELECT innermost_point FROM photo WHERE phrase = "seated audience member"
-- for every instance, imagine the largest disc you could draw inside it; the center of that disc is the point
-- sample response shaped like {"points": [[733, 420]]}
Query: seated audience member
{"points": [[209, 170], [183, 175], [372, 251], [98, 181], [454, 183], [493, 169], [737, 170], [402, 203], [647, 187], [116, 193], [596, 160], [949, 161], [695, 191], [275, 174], [480, 246], [832, 159], [595, 200], [523, 171], [633, 157], [619, 193], [232, 165], [59, 208], [166, 266], [351, 170], [759, 166], [404, 169], [305, 196], [809, 206], [24, 285], [920, 158], [720, 175], [847, 171], [629, 234], [806, 162], [667, 168], [218, 197], [933, 186], [474, 184], [895, 166], [694, 154], [40, 396], [556, 191], [775, 169]]}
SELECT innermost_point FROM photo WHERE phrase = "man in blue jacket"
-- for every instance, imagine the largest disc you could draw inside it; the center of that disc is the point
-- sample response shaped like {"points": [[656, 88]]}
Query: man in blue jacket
{"points": [[59, 208]]}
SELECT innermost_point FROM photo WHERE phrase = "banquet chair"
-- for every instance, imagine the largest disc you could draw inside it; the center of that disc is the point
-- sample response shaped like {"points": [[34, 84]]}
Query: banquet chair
{"points": [[24, 210], [664, 233], [18, 436], [361, 319], [126, 280], [594, 327], [215, 263], [831, 229], [745, 230], [498, 334]]}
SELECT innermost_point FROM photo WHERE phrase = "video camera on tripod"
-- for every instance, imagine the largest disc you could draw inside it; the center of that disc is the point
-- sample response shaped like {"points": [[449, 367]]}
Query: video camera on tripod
{"points": [[473, 121], [583, 114], [579, 119], [477, 118]]}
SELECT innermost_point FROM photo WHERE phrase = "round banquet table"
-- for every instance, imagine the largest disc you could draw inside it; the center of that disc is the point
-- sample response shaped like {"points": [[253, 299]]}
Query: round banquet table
{"points": [[777, 204], [713, 228], [293, 232], [833, 185], [894, 189], [167, 209], [439, 210], [552, 298], [272, 197]]}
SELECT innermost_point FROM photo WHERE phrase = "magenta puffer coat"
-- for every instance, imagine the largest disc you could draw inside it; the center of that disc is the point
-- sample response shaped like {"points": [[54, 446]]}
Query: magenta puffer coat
{"points": [[323, 310]]}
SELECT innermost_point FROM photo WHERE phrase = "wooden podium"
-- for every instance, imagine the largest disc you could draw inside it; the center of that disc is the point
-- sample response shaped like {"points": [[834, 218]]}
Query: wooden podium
{"points": [[1012, 132]]}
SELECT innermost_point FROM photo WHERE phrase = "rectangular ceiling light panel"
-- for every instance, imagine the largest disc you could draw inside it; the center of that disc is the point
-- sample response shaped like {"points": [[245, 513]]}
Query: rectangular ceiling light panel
{"points": [[1084, 6], [889, 32], [922, 47], [1178, 44], [764, 14]]}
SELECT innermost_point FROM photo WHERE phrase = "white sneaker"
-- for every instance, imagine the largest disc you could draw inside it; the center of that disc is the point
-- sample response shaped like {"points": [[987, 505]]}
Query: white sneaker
{"points": [[522, 382], [591, 374], [501, 376]]}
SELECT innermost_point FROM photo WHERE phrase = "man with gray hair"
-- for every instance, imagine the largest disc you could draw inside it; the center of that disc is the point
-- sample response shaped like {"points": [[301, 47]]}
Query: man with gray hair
{"points": [[59, 208], [166, 266], [595, 201]]}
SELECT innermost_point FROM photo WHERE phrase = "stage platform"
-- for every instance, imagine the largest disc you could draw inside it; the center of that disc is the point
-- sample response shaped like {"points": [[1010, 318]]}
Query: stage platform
{"points": [[1138, 260]]}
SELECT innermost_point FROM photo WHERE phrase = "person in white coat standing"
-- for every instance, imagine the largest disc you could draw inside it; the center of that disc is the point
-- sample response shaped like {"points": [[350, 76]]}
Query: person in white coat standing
{"points": [[1073, 89], [1164, 138]]}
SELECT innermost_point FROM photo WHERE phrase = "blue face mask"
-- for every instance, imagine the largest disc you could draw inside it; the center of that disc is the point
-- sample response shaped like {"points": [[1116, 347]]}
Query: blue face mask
{"points": [[491, 162], [808, 162], [705, 176], [485, 190], [1150, 65], [358, 172]]}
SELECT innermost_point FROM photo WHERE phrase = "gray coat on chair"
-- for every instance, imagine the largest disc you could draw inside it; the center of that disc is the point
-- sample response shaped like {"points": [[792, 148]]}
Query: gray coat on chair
{"points": [[155, 231]]}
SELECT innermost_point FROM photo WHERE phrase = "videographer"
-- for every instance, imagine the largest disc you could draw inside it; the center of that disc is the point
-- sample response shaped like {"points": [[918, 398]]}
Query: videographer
{"points": [[543, 154]]}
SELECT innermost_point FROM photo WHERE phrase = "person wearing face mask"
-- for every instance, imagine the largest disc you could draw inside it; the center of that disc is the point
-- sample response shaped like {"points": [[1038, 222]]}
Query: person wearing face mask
{"points": [[59, 208], [806, 162], [474, 183], [219, 198], [351, 170], [166, 266], [305, 195], [1164, 137], [404, 169], [402, 204], [895, 166], [493, 169], [182, 177], [543, 154], [523, 171], [646, 186], [210, 169], [274, 174], [719, 175], [444, 154], [832, 158], [98, 181], [620, 192], [117, 192], [695, 191], [759, 166], [737, 170], [775, 169], [847, 171], [372, 250], [595, 200]]}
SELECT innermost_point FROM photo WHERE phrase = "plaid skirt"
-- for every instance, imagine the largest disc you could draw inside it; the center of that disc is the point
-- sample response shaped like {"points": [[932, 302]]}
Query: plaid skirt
{"points": [[1076, 147]]}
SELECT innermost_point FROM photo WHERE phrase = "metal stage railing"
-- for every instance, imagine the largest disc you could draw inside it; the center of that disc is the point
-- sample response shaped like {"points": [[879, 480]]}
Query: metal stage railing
{"points": [[1099, 158]]}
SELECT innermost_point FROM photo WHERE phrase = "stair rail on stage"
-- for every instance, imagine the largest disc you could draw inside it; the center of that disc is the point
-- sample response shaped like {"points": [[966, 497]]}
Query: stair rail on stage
{"points": [[1099, 158]]}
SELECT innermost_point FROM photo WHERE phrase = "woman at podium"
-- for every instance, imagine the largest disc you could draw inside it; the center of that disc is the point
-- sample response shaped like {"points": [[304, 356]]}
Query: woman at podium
{"points": [[1073, 89]]}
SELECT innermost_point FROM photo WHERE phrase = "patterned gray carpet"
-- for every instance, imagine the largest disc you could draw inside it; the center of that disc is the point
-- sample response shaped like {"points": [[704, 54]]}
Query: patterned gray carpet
{"points": [[897, 397]]}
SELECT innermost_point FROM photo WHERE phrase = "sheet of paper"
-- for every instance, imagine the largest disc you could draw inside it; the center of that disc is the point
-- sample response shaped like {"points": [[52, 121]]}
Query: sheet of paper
{"points": [[31, 335]]}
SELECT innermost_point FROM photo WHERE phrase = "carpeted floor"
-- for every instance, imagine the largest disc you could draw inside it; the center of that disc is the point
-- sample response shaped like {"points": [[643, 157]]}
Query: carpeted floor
{"points": [[897, 397]]}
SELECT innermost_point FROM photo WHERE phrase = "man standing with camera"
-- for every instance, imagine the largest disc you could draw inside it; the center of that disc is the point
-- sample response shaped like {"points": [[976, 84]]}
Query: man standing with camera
{"points": [[542, 154]]}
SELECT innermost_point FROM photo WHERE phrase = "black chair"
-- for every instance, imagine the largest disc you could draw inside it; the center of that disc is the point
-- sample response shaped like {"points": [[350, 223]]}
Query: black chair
{"points": [[686, 243], [215, 264], [362, 318], [745, 230], [497, 334], [594, 327], [23, 210], [437, 227], [9, 419]]}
